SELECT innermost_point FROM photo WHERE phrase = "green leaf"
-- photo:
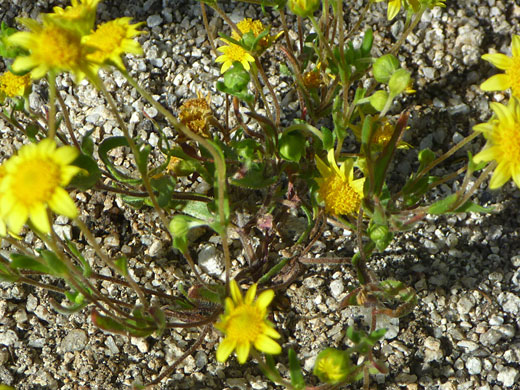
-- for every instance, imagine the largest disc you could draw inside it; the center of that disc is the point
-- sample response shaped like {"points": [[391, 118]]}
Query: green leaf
{"points": [[297, 379], [88, 176], [255, 177], [236, 78], [327, 138], [142, 158], [7, 274], [378, 99], [353, 335], [425, 157], [105, 147], [32, 130], [246, 148], [291, 146], [366, 45], [122, 265], [87, 144], [444, 205], [87, 271], [271, 373], [474, 208], [165, 186], [19, 261], [107, 323], [55, 264]]}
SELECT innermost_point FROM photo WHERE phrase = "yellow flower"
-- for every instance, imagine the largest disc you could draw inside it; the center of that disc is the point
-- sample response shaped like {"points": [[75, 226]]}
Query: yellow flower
{"points": [[244, 322], [111, 40], [12, 85], [337, 188], [79, 16], [332, 366], [194, 114], [52, 48], [511, 65], [502, 133], [34, 179], [394, 6], [248, 25], [232, 53]]}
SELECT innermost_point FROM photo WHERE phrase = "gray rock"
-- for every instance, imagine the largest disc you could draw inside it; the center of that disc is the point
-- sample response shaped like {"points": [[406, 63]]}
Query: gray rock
{"points": [[75, 340], [508, 376], [510, 302], [211, 261], [154, 21], [474, 366], [9, 337], [336, 288]]}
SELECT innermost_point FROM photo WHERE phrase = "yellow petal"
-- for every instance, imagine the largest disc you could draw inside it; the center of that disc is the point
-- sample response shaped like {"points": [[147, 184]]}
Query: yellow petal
{"points": [[515, 46], [484, 127], [501, 61], [62, 204], [498, 82], [271, 332], [243, 351], [265, 344], [516, 174], [250, 294], [265, 299], [16, 218], [485, 155], [393, 9], [225, 348], [500, 176], [234, 290], [503, 114], [39, 218]]}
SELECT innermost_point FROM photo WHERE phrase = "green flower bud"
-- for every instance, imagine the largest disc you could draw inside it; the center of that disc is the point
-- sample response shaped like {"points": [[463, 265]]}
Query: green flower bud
{"points": [[304, 8], [332, 366]]}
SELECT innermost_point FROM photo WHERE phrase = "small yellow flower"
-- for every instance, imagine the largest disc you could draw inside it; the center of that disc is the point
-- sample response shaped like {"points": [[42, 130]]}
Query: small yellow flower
{"points": [[511, 65], [34, 179], [232, 53], [332, 366], [111, 40], [248, 25], [79, 16], [502, 133], [12, 85], [337, 188], [52, 48], [244, 322], [313, 79], [193, 113]]}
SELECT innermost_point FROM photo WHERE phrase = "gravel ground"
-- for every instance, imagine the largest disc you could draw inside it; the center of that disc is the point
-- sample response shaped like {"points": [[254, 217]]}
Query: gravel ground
{"points": [[463, 334]]}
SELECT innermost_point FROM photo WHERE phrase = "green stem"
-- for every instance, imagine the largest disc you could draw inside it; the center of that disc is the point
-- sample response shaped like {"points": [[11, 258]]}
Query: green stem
{"points": [[51, 132], [220, 164]]}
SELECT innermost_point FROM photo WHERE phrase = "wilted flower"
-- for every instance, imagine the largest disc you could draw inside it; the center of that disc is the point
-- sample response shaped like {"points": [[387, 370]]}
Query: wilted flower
{"points": [[194, 113]]}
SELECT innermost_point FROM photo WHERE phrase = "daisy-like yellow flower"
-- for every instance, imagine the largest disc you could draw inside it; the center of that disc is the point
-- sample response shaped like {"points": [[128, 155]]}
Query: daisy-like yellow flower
{"points": [[511, 65], [232, 53], [79, 16], [111, 40], [339, 191], [51, 47], [502, 133], [34, 179], [194, 113], [12, 85], [244, 322], [248, 25]]}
